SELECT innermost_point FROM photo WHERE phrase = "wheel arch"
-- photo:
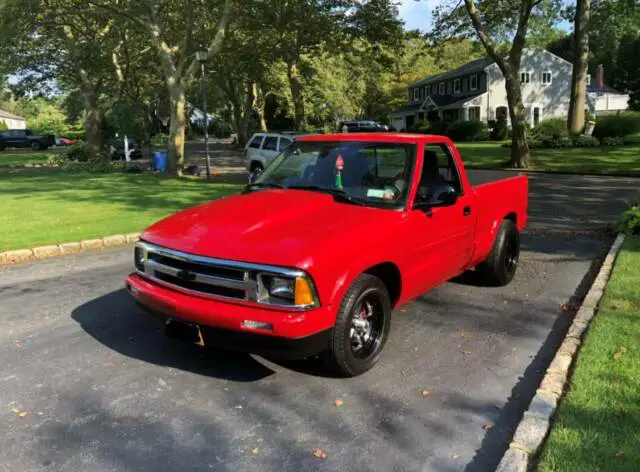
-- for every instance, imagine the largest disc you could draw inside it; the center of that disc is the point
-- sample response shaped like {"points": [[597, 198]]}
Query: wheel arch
{"points": [[390, 275]]}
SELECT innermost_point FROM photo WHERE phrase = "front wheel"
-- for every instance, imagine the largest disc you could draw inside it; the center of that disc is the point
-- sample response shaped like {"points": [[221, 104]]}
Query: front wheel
{"points": [[35, 146], [500, 265], [362, 327]]}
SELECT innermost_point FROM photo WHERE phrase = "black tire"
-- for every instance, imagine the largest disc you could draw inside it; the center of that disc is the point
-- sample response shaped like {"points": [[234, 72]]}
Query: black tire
{"points": [[256, 166], [501, 264], [35, 146], [342, 357]]}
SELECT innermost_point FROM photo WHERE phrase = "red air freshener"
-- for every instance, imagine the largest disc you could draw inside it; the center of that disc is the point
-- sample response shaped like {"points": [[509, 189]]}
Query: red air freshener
{"points": [[339, 162]]}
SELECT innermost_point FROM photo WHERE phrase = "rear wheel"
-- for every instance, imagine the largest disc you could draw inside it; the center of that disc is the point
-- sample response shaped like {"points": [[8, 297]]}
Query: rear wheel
{"points": [[35, 146], [362, 327], [499, 268]]}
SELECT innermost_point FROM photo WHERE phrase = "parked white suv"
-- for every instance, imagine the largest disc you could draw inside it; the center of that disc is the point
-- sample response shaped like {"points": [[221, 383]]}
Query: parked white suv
{"points": [[262, 148]]}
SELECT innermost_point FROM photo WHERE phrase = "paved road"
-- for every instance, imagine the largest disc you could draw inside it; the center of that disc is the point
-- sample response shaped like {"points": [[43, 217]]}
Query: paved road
{"points": [[105, 390]]}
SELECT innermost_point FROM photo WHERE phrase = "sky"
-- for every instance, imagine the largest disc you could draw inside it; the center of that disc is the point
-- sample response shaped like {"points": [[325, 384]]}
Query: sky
{"points": [[417, 14]]}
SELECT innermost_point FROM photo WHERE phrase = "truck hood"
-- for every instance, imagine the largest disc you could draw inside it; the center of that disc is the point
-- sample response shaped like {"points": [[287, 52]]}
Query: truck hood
{"points": [[276, 227]]}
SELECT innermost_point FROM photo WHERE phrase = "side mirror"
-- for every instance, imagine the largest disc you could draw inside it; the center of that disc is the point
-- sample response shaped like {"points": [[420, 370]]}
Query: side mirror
{"points": [[254, 175], [439, 195]]}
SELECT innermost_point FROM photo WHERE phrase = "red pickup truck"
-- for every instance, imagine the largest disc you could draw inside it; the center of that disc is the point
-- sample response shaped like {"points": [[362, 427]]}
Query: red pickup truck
{"points": [[313, 256]]}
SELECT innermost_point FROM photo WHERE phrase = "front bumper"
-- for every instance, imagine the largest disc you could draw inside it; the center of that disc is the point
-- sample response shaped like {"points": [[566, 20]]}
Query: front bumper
{"points": [[293, 334]]}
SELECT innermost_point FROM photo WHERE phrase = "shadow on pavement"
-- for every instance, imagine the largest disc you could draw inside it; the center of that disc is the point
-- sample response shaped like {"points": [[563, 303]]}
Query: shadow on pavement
{"points": [[116, 321]]}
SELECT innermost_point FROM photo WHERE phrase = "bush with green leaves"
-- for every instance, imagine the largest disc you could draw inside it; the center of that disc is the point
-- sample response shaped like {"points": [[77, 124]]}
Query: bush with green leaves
{"points": [[100, 163], [74, 135], [420, 126], [553, 128], [3, 125], [629, 221], [500, 130], [617, 126], [613, 141], [56, 160], [80, 152], [585, 141], [466, 130]]}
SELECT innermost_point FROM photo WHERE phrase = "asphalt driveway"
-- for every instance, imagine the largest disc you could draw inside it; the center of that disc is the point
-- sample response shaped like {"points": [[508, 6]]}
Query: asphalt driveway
{"points": [[104, 389]]}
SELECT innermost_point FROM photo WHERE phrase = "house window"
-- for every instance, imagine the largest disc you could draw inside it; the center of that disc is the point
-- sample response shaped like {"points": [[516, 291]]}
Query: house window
{"points": [[474, 113], [441, 88], [501, 113], [473, 82], [456, 86], [536, 116], [426, 91], [416, 94], [525, 77], [546, 78]]}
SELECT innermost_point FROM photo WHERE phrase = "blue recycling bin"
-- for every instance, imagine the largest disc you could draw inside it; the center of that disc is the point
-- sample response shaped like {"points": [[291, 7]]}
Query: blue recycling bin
{"points": [[159, 161]]}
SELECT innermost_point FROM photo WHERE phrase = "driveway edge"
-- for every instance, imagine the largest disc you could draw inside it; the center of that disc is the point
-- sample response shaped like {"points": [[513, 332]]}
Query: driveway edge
{"points": [[536, 420], [63, 249]]}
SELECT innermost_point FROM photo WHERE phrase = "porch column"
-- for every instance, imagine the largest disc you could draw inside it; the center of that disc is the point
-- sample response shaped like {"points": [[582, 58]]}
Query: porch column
{"points": [[465, 114]]}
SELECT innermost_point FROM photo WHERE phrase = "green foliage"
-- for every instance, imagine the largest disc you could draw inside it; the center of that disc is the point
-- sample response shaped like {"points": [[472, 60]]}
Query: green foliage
{"points": [[613, 141], [585, 141], [629, 221], [551, 128], [97, 163], [44, 116], [80, 152], [421, 126], [466, 130], [617, 125], [500, 130], [3, 125], [74, 135], [56, 160]]}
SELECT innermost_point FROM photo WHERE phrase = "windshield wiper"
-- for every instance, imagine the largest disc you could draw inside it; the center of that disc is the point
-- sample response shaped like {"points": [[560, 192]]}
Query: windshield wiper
{"points": [[338, 194], [263, 185]]}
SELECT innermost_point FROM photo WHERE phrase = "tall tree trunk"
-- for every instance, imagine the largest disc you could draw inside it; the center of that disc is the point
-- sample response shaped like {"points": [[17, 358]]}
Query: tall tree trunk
{"points": [[92, 113], [175, 162], [242, 103], [579, 75], [296, 94], [260, 101], [520, 155]]}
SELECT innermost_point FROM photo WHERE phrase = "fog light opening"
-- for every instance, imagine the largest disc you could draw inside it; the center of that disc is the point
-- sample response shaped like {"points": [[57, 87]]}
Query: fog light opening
{"points": [[251, 324]]}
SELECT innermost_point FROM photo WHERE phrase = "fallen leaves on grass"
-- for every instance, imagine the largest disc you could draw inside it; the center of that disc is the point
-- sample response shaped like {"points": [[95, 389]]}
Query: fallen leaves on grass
{"points": [[338, 402], [320, 454]]}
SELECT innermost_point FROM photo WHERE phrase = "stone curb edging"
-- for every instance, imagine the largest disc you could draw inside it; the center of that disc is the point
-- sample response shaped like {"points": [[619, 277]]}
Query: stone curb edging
{"points": [[45, 252], [536, 421]]}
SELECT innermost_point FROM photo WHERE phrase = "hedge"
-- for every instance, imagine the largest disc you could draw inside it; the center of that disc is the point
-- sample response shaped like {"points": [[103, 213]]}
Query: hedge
{"points": [[617, 126]]}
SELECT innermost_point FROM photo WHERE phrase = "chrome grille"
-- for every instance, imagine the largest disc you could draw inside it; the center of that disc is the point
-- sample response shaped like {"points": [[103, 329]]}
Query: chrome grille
{"points": [[196, 274]]}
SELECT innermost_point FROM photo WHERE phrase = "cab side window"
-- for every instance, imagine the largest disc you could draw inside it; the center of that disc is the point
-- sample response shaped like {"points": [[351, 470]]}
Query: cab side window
{"points": [[256, 141], [270, 143], [438, 156], [285, 143]]}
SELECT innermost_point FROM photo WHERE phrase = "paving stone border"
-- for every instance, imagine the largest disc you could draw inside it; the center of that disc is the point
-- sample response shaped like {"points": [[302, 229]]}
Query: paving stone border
{"points": [[536, 421], [44, 252]]}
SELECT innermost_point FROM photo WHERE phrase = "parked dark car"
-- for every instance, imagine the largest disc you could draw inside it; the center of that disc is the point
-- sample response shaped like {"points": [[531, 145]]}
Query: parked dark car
{"points": [[116, 148], [24, 138], [363, 126]]}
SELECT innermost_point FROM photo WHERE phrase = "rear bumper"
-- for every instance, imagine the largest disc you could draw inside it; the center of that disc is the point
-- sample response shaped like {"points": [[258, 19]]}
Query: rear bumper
{"points": [[294, 334]]}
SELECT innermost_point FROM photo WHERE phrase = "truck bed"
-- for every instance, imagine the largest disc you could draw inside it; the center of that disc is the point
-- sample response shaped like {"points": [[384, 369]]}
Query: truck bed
{"points": [[479, 177]]}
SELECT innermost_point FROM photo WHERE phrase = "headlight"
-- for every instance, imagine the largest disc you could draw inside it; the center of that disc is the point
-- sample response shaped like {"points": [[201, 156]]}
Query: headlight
{"points": [[139, 257], [288, 291]]}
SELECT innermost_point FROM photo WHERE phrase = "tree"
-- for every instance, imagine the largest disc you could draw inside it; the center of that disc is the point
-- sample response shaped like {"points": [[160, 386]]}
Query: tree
{"points": [[169, 26], [502, 27], [628, 60], [580, 64]]}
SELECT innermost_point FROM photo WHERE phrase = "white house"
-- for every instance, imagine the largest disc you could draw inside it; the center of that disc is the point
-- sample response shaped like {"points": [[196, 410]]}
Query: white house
{"points": [[476, 91], [13, 121]]}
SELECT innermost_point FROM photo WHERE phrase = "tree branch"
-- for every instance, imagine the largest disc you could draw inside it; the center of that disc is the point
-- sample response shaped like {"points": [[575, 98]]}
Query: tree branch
{"points": [[486, 40], [216, 44]]}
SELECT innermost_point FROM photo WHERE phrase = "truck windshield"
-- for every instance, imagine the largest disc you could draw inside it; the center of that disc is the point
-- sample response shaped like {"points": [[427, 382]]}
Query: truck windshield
{"points": [[367, 173]]}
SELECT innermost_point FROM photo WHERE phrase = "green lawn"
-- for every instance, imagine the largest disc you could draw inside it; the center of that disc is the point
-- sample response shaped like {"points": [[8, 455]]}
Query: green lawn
{"points": [[11, 157], [53, 206], [602, 159], [597, 426]]}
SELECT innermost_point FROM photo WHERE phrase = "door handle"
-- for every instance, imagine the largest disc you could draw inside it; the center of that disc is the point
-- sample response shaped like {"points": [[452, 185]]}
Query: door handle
{"points": [[466, 211]]}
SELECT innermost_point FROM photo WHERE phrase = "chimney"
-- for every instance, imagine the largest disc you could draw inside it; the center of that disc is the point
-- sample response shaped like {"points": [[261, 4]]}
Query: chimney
{"points": [[599, 77]]}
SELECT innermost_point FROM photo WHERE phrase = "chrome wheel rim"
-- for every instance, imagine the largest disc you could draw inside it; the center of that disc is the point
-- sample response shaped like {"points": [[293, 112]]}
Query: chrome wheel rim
{"points": [[365, 332]]}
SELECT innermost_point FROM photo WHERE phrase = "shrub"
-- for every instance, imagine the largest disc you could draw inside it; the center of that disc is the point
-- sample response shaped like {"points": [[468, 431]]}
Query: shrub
{"points": [[75, 135], [96, 163], [421, 126], [3, 125], [585, 141], [465, 130], [80, 152], [500, 131], [55, 160], [617, 126], [613, 141], [629, 221], [160, 140], [553, 128]]}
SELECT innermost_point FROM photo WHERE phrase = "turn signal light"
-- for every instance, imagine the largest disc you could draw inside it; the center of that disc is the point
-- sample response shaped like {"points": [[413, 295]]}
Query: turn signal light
{"points": [[304, 294]]}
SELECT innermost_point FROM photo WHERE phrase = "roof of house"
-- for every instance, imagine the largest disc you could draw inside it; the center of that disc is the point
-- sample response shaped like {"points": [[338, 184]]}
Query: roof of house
{"points": [[468, 68], [605, 89], [440, 101], [6, 114]]}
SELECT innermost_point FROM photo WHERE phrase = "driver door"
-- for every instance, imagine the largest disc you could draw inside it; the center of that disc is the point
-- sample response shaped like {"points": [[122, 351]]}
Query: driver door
{"points": [[442, 236]]}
